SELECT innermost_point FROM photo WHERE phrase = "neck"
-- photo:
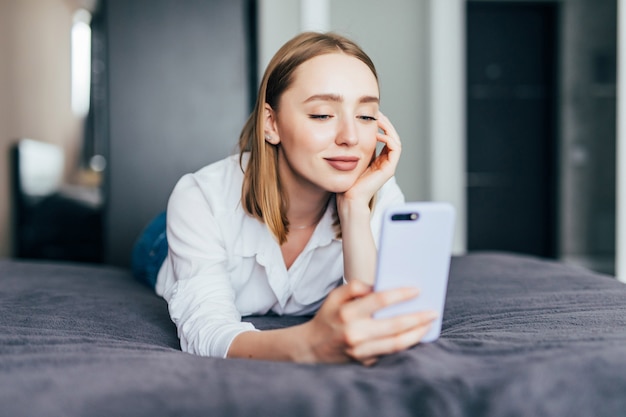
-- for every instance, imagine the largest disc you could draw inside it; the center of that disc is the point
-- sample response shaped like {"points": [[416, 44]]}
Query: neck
{"points": [[310, 225]]}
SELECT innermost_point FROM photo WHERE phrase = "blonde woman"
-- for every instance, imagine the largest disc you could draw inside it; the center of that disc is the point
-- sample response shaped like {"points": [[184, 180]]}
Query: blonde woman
{"points": [[289, 225]]}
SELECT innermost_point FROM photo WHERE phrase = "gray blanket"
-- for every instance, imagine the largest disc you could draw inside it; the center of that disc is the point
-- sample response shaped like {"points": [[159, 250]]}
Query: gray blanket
{"points": [[521, 337]]}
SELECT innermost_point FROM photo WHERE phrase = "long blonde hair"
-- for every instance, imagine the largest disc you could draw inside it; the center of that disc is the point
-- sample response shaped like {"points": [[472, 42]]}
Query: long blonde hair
{"points": [[262, 195]]}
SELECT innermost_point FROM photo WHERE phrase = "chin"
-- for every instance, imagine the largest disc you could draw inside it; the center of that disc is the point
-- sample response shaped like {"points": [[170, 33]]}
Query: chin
{"points": [[340, 182], [340, 188]]}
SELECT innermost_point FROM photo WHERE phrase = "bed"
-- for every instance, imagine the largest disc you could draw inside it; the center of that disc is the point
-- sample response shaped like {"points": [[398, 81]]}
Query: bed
{"points": [[522, 336]]}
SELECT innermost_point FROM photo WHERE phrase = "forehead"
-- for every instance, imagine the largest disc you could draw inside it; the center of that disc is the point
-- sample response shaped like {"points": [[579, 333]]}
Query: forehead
{"points": [[334, 73]]}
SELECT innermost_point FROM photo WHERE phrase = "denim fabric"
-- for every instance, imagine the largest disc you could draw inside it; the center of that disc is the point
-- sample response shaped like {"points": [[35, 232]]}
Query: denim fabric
{"points": [[150, 251]]}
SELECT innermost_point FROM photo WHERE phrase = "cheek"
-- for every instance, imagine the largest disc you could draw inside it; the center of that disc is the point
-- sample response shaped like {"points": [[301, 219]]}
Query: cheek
{"points": [[321, 134], [315, 135], [368, 137]]}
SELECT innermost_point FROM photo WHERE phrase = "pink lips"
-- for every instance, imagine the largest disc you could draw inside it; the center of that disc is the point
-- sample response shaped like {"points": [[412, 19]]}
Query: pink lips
{"points": [[343, 163]]}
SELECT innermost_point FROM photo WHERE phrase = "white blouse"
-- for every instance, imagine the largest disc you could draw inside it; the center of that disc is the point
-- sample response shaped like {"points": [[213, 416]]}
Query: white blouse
{"points": [[223, 264]]}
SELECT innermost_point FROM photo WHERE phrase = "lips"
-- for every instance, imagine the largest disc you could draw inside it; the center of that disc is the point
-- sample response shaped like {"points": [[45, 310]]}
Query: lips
{"points": [[343, 163]]}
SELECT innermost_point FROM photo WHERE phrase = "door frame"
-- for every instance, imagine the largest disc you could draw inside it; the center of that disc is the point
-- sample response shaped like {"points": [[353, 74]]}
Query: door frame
{"points": [[447, 130], [620, 211]]}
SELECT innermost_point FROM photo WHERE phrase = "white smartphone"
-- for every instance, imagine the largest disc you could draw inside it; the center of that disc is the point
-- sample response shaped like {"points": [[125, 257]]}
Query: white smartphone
{"points": [[414, 250]]}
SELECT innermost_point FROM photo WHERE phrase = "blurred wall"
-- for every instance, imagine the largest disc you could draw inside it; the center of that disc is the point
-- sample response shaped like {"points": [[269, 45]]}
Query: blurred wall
{"points": [[35, 85]]}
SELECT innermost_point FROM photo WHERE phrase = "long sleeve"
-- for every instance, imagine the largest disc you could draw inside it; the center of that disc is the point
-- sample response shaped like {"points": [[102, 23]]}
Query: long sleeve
{"points": [[202, 299]]}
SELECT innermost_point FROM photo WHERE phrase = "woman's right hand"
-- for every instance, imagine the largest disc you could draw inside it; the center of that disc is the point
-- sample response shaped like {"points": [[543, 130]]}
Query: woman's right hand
{"points": [[344, 328]]}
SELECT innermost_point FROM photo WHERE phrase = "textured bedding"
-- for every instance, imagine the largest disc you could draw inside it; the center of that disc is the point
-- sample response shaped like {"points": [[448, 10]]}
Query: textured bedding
{"points": [[521, 337]]}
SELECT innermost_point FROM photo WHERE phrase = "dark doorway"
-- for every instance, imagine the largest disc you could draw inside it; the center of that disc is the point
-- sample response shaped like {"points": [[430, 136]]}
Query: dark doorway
{"points": [[511, 126]]}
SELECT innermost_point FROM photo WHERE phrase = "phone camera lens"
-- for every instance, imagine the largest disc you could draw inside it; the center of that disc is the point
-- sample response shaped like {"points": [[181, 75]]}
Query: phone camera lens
{"points": [[405, 216]]}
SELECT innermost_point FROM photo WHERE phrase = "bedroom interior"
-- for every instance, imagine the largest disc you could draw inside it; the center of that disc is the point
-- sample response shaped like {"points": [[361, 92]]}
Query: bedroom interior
{"points": [[534, 321], [576, 215]]}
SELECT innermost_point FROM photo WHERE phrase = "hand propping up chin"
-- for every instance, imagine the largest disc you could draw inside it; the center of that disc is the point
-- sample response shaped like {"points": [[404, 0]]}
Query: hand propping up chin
{"points": [[382, 167]]}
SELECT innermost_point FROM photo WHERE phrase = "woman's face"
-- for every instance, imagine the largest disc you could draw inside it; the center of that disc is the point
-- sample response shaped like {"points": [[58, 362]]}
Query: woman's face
{"points": [[326, 123]]}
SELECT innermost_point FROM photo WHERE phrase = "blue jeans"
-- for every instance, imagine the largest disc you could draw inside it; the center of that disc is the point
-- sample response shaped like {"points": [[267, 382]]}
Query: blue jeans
{"points": [[150, 251]]}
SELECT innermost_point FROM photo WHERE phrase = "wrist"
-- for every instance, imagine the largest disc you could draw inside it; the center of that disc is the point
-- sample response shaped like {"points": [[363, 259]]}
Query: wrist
{"points": [[287, 344], [350, 209], [302, 351]]}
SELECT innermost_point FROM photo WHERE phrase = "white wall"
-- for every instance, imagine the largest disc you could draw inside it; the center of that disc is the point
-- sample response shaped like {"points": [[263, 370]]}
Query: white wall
{"points": [[277, 22]]}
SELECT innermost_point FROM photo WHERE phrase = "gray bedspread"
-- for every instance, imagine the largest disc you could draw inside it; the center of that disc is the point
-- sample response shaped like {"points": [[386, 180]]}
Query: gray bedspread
{"points": [[521, 337]]}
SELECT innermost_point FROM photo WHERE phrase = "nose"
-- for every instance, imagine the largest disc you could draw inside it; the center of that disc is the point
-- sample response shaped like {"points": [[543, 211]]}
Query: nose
{"points": [[347, 134]]}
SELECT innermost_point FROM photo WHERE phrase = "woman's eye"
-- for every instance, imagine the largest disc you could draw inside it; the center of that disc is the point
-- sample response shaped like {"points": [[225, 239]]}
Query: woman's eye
{"points": [[367, 118], [320, 116]]}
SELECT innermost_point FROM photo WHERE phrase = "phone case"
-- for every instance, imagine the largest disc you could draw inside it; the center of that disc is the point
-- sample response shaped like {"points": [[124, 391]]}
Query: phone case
{"points": [[414, 251]]}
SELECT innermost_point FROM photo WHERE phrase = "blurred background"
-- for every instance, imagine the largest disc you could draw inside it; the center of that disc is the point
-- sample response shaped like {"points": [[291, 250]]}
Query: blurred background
{"points": [[507, 109]]}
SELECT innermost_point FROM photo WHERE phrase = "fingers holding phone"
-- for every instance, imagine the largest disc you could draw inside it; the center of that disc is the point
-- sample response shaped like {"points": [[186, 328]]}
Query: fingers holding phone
{"points": [[371, 338], [344, 328]]}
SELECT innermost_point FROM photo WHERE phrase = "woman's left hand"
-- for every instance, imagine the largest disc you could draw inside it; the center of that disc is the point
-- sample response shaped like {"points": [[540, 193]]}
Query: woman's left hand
{"points": [[382, 167], [359, 248]]}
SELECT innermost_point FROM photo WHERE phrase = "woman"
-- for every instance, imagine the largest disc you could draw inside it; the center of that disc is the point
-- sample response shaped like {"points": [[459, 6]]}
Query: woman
{"points": [[289, 225]]}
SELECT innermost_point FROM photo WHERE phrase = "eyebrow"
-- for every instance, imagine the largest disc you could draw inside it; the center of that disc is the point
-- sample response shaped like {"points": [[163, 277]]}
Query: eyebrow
{"points": [[338, 98]]}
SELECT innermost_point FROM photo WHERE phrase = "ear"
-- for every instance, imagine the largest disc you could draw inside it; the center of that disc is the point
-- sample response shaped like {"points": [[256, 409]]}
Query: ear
{"points": [[270, 128]]}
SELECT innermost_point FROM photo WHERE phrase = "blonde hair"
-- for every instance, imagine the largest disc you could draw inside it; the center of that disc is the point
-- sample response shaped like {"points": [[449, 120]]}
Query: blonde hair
{"points": [[262, 195]]}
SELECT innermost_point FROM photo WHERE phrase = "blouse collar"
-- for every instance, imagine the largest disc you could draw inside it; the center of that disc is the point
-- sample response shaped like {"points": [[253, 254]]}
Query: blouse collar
{"points": [[255, 238]]}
